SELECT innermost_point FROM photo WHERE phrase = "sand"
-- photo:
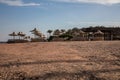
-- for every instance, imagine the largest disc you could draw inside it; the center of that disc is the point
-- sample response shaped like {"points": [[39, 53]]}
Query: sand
{"points": [[75, 60]]}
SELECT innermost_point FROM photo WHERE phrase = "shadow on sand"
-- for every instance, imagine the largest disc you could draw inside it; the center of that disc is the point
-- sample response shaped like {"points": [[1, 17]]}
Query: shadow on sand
{"points": [[18, 63], [82, 75]]}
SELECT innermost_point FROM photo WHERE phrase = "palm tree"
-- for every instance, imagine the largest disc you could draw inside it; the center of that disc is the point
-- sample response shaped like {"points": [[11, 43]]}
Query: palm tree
{"points": [[49, 31], [13, 34]]}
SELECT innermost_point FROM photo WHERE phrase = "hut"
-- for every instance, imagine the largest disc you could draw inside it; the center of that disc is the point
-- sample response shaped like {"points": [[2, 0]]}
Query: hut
{"points": [[79, 36], [99, 35]]}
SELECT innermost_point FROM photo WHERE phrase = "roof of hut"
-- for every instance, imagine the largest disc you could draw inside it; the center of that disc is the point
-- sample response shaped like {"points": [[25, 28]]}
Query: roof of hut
{"points": [[81, 32], [35, 30], [78, 33], [99, 32]]}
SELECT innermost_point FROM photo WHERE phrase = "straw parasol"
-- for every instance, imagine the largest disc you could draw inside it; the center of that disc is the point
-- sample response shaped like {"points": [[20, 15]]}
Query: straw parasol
{"points": [[99, 32], [13, 34], [36, 32]]}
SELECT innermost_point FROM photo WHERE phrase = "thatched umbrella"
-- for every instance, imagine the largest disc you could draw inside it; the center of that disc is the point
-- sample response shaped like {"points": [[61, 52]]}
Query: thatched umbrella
{"points": [[19, 34], [22, 34], [36, 32], [99, 33], [13, 34], [33, 31], [27, 37]]}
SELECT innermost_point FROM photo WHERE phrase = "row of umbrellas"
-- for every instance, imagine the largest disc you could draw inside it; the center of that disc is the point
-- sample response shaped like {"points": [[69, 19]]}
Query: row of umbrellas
{"points": [[39, 34], [21, 34]]}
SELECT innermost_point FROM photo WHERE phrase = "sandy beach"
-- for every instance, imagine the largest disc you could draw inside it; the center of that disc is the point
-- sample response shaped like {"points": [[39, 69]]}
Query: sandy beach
{"points": [[75, 60]]}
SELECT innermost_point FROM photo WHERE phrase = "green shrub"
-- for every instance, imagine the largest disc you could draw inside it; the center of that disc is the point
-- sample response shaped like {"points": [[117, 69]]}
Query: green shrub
{"points": [[67, 36]]}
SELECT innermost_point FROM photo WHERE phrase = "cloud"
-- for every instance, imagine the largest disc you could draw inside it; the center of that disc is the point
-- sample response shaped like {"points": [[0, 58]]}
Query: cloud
{"points": [[18, 3], [105, 2]]}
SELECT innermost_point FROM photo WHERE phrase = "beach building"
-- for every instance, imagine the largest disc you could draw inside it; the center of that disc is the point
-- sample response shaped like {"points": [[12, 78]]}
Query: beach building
{"points": [[79, 36], [99, 35]]}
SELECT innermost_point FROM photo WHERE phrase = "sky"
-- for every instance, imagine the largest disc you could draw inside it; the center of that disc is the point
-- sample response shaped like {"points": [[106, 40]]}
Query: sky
{"points": [[25, 15]]}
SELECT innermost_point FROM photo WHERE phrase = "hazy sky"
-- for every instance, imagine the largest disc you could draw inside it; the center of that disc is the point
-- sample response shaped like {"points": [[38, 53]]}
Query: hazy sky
{"points": [[24, 15]]}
